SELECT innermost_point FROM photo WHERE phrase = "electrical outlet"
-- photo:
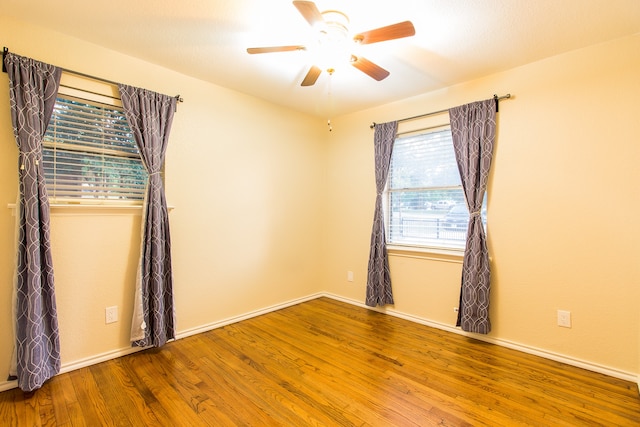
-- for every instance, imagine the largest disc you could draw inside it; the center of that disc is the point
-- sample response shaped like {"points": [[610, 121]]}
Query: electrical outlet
{"points": [[349, 276], [111, 314], [564, 318]]}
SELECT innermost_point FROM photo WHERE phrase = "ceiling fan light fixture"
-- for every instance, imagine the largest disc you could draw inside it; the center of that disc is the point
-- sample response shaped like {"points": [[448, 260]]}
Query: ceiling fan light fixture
{"points": [[333, 42], [336, 22]]}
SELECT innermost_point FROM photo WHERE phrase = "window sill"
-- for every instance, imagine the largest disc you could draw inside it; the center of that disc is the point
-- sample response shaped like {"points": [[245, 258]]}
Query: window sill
{"points": [[432, 254], [92, 209]]}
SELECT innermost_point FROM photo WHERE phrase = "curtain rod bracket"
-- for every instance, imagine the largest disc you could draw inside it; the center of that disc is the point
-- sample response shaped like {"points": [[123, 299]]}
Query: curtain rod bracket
{"points": [[5, 50]]}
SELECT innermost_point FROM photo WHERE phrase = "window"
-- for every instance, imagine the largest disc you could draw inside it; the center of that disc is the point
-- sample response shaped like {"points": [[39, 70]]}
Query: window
{"points": [[90, 155], [425, 201]]}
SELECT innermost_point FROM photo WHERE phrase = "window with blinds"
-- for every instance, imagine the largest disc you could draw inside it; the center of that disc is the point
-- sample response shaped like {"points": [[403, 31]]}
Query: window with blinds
{"points": [[90, 155], [425, 201]]}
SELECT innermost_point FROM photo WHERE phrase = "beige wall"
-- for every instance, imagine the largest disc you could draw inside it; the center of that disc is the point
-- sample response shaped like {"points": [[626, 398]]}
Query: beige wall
{"points": [[270, 207], [562, 210], [243, 176]]}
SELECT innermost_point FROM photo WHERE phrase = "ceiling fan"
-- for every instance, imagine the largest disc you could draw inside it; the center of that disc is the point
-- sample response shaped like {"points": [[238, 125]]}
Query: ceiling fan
{"points": [[333, 40]]}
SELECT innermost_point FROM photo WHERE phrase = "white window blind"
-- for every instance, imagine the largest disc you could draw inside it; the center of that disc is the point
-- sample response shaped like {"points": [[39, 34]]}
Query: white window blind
{"points": [[90, 155], [425, 201]]}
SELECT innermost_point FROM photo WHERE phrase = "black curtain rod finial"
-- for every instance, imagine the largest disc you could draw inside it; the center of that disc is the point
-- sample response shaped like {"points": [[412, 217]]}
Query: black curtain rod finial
{"points": [[5, 50]]}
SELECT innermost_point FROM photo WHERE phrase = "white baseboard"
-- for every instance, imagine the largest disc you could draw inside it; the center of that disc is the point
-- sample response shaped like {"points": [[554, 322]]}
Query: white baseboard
{"points": [[616, 373], [612, 372], [8, 385]]}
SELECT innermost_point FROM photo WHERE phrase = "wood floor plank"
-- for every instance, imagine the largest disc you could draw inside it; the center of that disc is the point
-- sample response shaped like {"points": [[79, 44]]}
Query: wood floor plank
{"points": [[66, 399], [95, 410], [221, 388], [311, 375], [338, 373], [235, 353], [380, 356], [326, 363], [117, 388], [61, 388], [160, 383], [45, 408], [146, 395], [372, 378], [313, 382], [189, 385]]}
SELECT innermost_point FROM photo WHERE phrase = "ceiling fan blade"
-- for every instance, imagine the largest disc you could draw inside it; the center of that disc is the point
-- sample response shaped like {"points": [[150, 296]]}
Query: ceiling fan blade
{"points": [[390, 32], [369, 68], [312, 76], [270, 49], [309, 11]]}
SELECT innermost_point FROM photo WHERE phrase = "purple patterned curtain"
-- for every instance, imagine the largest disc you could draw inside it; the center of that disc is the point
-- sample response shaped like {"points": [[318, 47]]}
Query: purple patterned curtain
{"points": [[378, 275], [33, 87], [150, 116], [473, 128]]}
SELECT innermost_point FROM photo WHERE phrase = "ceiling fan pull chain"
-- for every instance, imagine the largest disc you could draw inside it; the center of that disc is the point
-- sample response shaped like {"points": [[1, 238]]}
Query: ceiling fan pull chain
{"points": [[330, 93]]}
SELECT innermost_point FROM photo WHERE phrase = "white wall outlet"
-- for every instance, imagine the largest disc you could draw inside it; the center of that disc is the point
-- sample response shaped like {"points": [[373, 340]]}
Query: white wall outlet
{"points": [[564, 318], [349, 276], [111, 314]]}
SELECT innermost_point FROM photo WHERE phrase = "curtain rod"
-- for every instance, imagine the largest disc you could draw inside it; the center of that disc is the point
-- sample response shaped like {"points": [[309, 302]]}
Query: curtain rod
{"points": [[433, 113], [78, 73]]}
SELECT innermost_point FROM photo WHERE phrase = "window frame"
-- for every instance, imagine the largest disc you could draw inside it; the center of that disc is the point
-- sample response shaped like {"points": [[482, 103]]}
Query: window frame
{"points": [[102, 95], [422, 249]]}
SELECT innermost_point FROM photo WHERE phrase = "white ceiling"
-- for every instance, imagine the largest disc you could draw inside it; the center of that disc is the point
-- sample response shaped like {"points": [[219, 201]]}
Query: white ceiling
{"points": [[455, 41]]}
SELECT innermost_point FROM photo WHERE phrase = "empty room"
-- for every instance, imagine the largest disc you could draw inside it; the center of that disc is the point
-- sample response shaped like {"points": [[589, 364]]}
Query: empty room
{"points": [[292, 213]]}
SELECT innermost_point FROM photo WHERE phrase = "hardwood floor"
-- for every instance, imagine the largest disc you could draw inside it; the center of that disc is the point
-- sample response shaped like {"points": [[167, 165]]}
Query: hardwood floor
{"points": [[326, 363]]}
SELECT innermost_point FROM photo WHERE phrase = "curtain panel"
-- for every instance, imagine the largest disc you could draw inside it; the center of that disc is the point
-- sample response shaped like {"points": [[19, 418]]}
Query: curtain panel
{"points": [[150, 116], [33, 87], [378, 276], [473, 129]]}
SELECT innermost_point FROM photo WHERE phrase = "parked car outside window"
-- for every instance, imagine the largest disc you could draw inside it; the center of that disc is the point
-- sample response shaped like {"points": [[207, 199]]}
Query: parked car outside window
{"points": [[444, 204], [457, 217]]}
